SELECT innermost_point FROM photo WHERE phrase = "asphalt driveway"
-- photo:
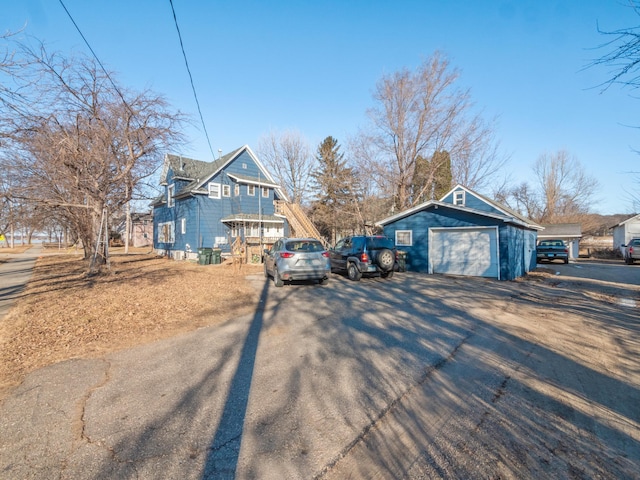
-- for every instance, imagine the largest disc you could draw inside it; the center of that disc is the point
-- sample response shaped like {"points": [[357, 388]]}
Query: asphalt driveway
{"points": [[15, 272], [413, 377]]}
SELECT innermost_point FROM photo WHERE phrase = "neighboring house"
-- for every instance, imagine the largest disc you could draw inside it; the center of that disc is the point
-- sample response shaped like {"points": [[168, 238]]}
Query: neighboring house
{"points": [[141, 234], [570, 233], [625, 231], [211, 204], [141, 229], [465, 233]]}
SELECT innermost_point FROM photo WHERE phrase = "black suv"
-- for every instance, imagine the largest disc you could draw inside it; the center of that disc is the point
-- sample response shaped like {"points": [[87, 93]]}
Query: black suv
{"points": [[358, 255]]}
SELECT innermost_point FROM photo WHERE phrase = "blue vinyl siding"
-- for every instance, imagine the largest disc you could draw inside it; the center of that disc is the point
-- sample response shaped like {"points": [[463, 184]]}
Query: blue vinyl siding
{"points": [[472, 201]]}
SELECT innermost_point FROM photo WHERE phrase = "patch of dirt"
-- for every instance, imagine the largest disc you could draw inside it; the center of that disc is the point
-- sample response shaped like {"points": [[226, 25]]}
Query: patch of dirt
{"points": [[63, 313]]}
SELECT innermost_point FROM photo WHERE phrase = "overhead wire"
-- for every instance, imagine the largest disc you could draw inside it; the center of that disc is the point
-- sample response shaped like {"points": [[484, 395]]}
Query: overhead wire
{"points": [[126, 104], [193, 88]]}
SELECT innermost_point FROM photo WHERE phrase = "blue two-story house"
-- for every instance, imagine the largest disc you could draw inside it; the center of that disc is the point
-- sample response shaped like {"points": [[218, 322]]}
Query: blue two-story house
{"points": [[212, 204]]}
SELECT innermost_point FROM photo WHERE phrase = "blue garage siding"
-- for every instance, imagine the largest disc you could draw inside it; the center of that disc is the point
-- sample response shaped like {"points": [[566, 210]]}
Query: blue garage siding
{"points": [[420, 222], [510, 237]]}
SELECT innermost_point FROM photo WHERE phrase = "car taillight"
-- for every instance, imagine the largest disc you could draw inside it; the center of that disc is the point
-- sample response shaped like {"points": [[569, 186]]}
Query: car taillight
{"points": [[630, 250], [364, 258], [325, 254], [286, 254]]}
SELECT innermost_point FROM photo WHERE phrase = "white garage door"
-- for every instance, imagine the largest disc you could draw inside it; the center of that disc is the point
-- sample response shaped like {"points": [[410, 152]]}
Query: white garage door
{"points": [[464, 251]]}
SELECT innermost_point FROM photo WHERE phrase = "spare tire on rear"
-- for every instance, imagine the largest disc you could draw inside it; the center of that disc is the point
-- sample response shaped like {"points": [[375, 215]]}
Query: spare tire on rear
{"points": [[386, 259]]}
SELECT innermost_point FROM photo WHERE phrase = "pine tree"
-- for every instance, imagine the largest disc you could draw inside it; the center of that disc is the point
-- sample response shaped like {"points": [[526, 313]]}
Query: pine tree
{"points": [[431, 178], [334, 187], [441, 161]]}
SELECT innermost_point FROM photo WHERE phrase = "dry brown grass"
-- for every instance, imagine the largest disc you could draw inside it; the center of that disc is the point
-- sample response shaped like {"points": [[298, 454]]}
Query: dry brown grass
{"points": [[63, 313]]}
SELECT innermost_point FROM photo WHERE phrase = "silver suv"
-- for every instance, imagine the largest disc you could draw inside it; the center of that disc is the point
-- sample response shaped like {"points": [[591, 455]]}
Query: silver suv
{"points": [[632, 251], [297, 259], [364, 255]]}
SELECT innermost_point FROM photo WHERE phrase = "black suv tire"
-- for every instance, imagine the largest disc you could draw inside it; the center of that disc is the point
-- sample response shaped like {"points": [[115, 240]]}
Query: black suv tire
{"points": [[353, 273]]}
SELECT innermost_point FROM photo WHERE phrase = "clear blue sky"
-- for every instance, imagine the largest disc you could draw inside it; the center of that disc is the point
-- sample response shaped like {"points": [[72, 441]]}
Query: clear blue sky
{"points": [[312, 66]]}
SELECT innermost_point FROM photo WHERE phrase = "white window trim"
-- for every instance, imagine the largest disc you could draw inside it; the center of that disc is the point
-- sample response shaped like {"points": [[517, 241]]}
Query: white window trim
{"points": [[183, 226], [404, 244], [166, 232], [214, 190], [459, 197], [236, 190], [171, 189], [226, 190], [251, 190], [265, 192]]}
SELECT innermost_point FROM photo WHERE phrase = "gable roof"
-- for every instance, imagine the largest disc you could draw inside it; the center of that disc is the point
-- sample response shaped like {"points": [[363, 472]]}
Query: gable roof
{"points": [[624, 222], [502, 208], [566, 230], [198, 173], [505, 214]]}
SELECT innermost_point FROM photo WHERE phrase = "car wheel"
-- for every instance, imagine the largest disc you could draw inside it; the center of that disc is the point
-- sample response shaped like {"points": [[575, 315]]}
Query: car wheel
{"points": [[387, 274], [628, 260], [324, 281], [386, 260], [353, 273], [277, 281], [566, 261]]}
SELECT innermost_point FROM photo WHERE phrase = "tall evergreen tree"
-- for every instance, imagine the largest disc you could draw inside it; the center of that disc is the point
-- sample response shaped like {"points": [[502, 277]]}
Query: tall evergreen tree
{"points": [[441, 162], [334, 186], [431, 178]]}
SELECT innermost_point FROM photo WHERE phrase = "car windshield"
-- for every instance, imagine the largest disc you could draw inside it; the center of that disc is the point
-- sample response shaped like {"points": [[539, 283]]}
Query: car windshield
{"points": [[304, 246], [551, 243], [379, 242]]}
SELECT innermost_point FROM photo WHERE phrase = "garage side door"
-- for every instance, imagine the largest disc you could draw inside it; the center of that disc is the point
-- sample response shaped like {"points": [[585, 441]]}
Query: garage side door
{"points": [[464, 251]]}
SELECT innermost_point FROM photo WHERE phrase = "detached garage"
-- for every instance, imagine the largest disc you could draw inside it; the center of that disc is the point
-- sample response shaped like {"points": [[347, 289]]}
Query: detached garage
{"points": [[464, 233]]}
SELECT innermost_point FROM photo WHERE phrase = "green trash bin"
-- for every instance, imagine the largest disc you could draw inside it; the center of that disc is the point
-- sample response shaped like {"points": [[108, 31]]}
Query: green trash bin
{"points": [[402, 261], [204, 256], [216, 256]]}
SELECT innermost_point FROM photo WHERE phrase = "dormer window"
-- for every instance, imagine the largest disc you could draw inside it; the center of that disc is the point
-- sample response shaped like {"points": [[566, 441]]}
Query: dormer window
{"points": [[458, 197]]}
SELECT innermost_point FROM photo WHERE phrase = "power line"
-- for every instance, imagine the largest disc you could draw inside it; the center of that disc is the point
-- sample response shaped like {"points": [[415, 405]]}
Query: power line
{"points": [[96, 57], [193, 88]]}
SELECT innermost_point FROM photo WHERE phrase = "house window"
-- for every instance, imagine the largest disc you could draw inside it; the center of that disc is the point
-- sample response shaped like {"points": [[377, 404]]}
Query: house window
{"points": [[214, 190], [183, 226], [404, 238], [265, 192], [226, 190], [251, 190], [244, 166], [458, 197], [166, 232], [170, 192], [236, 190]]}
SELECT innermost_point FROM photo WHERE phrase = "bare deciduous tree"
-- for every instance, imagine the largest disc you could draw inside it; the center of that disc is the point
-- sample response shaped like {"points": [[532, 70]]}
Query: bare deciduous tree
{"points": [[289, 157], [418, 113], [566, 189], [562, 192], [624, 59], [84, 145]]}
